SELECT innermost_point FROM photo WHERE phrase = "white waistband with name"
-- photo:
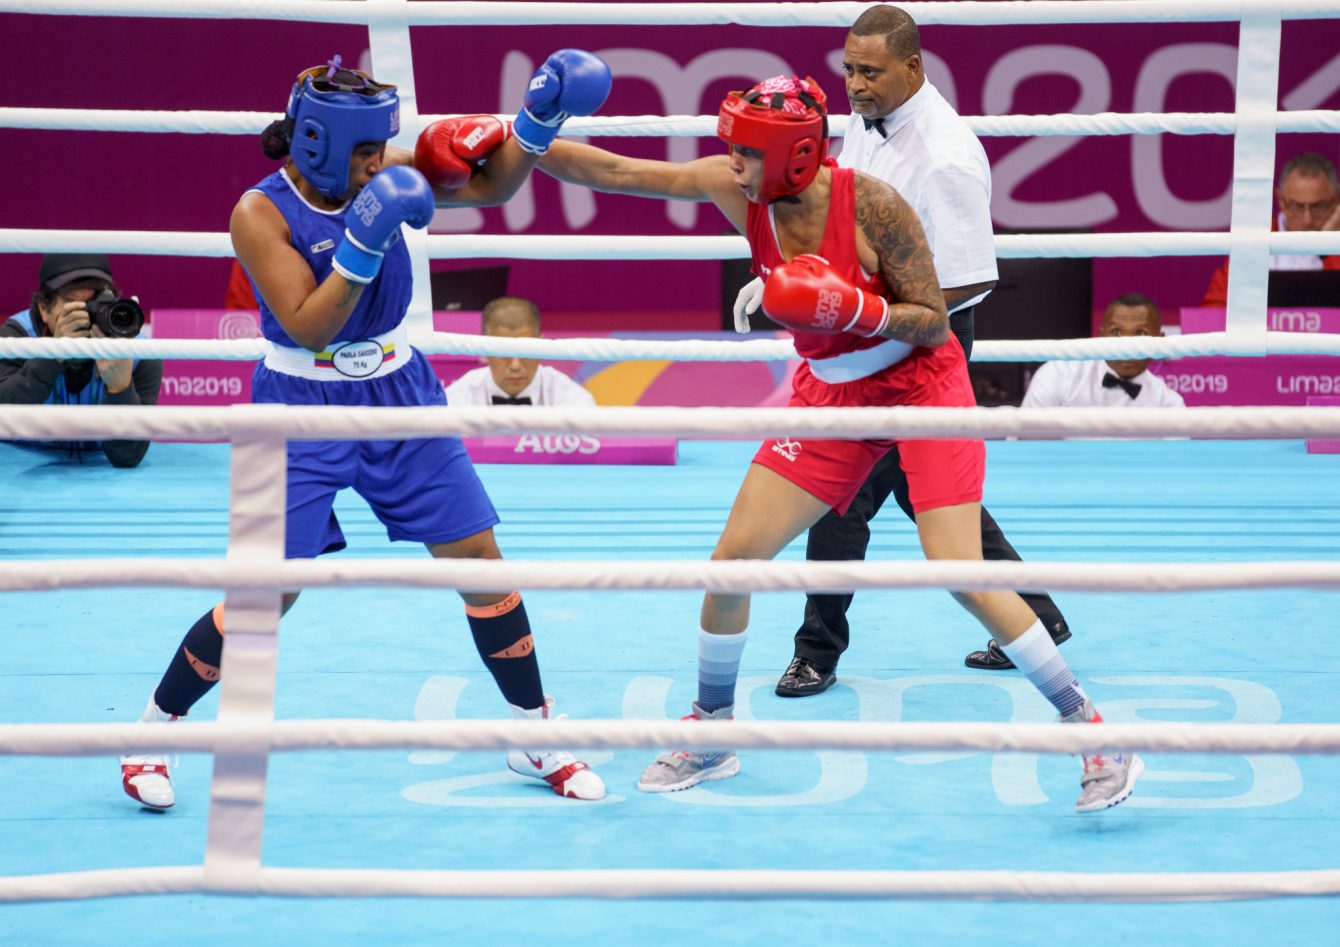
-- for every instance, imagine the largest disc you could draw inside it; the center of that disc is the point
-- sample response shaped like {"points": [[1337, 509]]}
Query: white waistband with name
{"points": [[354, 360], [851, 366]]}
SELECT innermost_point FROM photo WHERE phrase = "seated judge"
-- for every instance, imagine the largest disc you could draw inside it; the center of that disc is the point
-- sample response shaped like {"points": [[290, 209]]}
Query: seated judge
{"points": [[1118, 383], [516, 380], [1307, 197]]}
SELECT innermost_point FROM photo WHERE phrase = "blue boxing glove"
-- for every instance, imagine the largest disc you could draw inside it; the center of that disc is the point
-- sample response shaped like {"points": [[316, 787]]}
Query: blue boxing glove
{"points": [[570, 82], [396, 195]]}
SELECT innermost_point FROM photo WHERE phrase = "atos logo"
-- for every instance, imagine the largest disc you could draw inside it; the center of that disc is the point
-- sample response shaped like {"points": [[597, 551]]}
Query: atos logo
{"points": [[556, 444], [788, 448]]}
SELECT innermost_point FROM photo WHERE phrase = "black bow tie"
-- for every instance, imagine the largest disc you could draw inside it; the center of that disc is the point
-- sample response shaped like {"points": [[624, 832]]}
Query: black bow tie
{"points": [[1113, 381], [877, 124], [504, 399]]}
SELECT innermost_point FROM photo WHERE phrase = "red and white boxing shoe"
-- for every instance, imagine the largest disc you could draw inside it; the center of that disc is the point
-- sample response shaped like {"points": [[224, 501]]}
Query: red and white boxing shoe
{"points": [[567, 776], [145, 777]]}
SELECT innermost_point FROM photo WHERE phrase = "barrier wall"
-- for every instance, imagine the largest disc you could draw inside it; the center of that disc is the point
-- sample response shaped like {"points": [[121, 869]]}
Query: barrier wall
{"points": [[688, 384], [735, 384], [1203, 381], [1270, 380]]}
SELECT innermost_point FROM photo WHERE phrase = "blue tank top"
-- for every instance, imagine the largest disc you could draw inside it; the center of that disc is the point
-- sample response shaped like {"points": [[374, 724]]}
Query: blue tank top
{"points": [[315, 234]]}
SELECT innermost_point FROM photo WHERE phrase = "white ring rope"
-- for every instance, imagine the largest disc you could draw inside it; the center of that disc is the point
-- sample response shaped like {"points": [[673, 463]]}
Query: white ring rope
{"points": [[699, 884], [252, 581], [642, 247], [196, 122], [734, 576], [966, 13], [315, 423], [68, 739], [698, 350]]}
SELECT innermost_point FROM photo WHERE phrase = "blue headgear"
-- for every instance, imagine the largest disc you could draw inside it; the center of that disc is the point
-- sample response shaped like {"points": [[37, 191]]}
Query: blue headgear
{"points": [[331, 118]]}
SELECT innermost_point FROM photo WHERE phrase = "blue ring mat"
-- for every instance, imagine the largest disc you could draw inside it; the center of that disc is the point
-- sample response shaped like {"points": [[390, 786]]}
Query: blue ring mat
{"points": [[1252, 656]]}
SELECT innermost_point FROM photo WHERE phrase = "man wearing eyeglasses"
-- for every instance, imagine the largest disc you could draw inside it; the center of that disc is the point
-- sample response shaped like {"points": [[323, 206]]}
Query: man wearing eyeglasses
{"points": [[1307, 198]]}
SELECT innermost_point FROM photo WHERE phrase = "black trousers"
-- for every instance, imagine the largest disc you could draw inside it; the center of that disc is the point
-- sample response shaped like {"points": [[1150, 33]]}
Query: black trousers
{"points": [[824, 634]]}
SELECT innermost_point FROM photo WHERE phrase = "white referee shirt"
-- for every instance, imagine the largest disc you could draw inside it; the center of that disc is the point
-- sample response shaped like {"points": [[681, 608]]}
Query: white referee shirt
{"points": [[937, 164], [549, 387], [1080, 385]]}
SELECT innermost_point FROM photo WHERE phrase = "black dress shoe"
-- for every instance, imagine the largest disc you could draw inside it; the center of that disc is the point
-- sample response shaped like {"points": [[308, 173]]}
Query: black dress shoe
{"points": [[803, 677], [993, 659]]}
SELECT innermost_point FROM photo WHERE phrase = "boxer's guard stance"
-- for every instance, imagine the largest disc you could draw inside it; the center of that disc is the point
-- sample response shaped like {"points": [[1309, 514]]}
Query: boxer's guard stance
{"points": [[848, 272], [320, 242]]}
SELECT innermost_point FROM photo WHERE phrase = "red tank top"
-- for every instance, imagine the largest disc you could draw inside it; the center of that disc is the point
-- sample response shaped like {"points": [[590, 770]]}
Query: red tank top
{"points": [[838, 247]]}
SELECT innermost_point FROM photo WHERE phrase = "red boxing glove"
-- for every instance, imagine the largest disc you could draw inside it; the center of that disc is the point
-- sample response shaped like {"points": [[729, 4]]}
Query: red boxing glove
{"points": [[809, 295], [450, 149]]}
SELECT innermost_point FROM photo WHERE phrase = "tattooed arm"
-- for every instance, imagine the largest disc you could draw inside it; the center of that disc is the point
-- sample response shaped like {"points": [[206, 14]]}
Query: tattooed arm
{"points": [[917, 312]]}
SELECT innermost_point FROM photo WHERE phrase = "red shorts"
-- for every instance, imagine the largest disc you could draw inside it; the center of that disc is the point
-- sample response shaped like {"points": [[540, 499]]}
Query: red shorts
{"points": [[939, 472]]}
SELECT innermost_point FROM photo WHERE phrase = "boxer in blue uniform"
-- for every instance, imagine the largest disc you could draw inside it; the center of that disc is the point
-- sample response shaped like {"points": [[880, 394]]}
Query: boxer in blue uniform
{"points": [[319, 239]]}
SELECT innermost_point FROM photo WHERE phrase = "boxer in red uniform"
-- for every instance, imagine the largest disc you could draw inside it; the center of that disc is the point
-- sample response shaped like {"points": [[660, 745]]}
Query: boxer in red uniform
{"points": [[849, 273]]}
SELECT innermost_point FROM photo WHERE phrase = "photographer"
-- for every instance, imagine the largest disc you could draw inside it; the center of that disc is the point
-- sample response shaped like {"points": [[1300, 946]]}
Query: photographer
{"points": [[77, 298]]}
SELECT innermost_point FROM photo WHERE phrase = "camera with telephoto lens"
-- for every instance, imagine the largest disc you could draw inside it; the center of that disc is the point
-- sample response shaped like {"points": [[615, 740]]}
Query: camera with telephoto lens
{"points": [[117, 318]]}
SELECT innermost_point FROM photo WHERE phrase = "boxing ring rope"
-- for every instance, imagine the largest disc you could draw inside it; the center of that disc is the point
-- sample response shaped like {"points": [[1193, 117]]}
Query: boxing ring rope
{"points": [[642, 247], [447, 13], [199, 122], [321, 422], [254, 572], [698, 350], [667, 575]]}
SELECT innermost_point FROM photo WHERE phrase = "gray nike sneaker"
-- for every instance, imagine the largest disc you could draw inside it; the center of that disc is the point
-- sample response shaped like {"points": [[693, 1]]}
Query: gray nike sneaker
{"points": [[1109, 778], [1107, 781], [684, 768]]}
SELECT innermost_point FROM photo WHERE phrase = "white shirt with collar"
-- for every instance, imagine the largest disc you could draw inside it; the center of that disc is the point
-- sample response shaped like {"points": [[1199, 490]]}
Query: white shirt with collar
{"points": [[549, 388], [1293, 261], [1080, 385], [931, 157]]}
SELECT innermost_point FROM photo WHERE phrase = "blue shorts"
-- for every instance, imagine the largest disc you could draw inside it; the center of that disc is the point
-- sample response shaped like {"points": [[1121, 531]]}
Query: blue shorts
{"points": [[423, 490]]}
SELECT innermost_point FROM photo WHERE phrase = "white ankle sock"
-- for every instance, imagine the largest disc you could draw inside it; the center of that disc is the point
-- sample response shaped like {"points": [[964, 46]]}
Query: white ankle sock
{"points": [[153, 715], [538, 713], [718, 668], [1034, 653]]}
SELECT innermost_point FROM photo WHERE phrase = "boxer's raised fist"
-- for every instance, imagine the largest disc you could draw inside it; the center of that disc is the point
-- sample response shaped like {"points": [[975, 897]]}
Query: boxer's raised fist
{"points": [[570, 82], [397, 195], [449, 149]]}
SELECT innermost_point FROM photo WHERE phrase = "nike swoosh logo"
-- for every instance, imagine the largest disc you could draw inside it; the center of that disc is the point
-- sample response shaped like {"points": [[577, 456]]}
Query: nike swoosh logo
{"points": [[538, 764]]}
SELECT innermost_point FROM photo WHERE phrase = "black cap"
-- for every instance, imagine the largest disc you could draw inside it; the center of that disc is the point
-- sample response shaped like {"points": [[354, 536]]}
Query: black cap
{"points": [[61, 269]]}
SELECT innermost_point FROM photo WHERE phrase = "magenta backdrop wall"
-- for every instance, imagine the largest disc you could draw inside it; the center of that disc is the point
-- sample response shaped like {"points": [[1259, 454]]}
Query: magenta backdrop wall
{"points": [[190, 182]]}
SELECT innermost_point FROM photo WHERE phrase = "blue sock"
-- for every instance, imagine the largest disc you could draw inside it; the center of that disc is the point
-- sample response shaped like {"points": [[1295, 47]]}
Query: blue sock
{"points": [[1034, 653], [718, 669]]}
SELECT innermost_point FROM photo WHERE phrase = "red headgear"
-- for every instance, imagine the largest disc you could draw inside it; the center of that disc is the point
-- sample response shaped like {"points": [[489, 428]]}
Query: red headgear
{"points": [[786, 118]]}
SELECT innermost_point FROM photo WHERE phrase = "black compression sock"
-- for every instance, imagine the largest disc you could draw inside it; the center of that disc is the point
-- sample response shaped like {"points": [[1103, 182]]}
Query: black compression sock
{"points": [[502, 635], [194, 669]]}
